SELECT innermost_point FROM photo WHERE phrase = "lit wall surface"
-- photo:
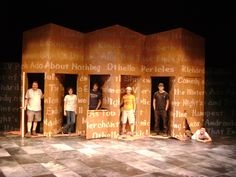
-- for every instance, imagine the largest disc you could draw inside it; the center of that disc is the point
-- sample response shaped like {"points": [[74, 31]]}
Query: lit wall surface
{"points": [[126, 58]]}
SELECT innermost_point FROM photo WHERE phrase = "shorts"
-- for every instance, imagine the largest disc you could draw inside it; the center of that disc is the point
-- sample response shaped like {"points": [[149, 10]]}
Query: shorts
{"points": [[128, 115], [34, 116]]}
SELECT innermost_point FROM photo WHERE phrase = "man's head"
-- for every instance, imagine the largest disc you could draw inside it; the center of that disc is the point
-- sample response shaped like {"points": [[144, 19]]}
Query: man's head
{"points": [[161, 86], [202, 130], [35, 85], [128, 90], [95, 86]]}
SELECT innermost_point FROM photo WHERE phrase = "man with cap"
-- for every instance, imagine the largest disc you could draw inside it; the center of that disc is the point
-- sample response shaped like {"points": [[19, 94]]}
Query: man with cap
{"points": [[161, 105], [128, 113]]}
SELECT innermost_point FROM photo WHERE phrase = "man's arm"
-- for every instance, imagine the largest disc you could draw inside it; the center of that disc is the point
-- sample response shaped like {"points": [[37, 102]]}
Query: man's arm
{"points": [[197, 139], [167, 104], [41, 93], [99, 104], [154, 104], [208, 138], [26, 103]]}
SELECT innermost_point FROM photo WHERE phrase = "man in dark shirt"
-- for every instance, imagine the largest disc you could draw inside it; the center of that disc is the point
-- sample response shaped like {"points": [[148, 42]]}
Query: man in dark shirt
{"points": [[95, 100], [161, 105]]}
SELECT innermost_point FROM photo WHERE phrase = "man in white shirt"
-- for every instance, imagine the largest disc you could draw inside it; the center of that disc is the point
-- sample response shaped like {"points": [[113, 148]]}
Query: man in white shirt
{"points": [[202, 136], [33, 105]]}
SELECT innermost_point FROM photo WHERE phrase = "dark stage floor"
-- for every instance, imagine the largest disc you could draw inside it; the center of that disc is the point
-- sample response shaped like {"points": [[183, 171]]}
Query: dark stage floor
{"points": [[143, 157]]}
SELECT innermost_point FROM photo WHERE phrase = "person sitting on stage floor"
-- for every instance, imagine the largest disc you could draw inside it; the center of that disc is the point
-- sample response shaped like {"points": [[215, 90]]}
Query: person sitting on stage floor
{"points": [[202, 136]]}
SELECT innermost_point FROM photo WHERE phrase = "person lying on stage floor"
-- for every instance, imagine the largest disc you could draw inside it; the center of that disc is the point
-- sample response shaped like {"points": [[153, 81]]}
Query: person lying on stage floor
{"points": [[202, 136]]}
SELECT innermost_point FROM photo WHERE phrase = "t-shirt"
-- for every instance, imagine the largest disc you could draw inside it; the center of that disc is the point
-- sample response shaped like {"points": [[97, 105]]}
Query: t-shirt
{"points": [[70, 102], [201, 137], [129, 101], [95, 96], [34, 99], [161, 99]]}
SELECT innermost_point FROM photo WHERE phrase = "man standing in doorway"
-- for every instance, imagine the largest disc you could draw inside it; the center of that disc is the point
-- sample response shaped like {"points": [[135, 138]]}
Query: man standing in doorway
{"points": [[33, 99], [161, 105], [95, 99]]}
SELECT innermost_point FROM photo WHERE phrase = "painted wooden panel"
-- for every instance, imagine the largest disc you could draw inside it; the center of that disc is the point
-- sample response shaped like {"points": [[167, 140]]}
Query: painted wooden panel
{"points": [[121, 57]]}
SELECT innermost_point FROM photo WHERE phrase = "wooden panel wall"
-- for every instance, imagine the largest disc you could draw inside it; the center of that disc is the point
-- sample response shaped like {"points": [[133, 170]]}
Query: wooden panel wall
{"points": [[127, 58]]}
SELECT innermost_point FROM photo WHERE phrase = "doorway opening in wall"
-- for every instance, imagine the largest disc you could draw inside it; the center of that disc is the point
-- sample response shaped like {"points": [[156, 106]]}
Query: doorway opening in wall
{"points": [[39, 77], [155, 81], [103, 91], [68, 81]]}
